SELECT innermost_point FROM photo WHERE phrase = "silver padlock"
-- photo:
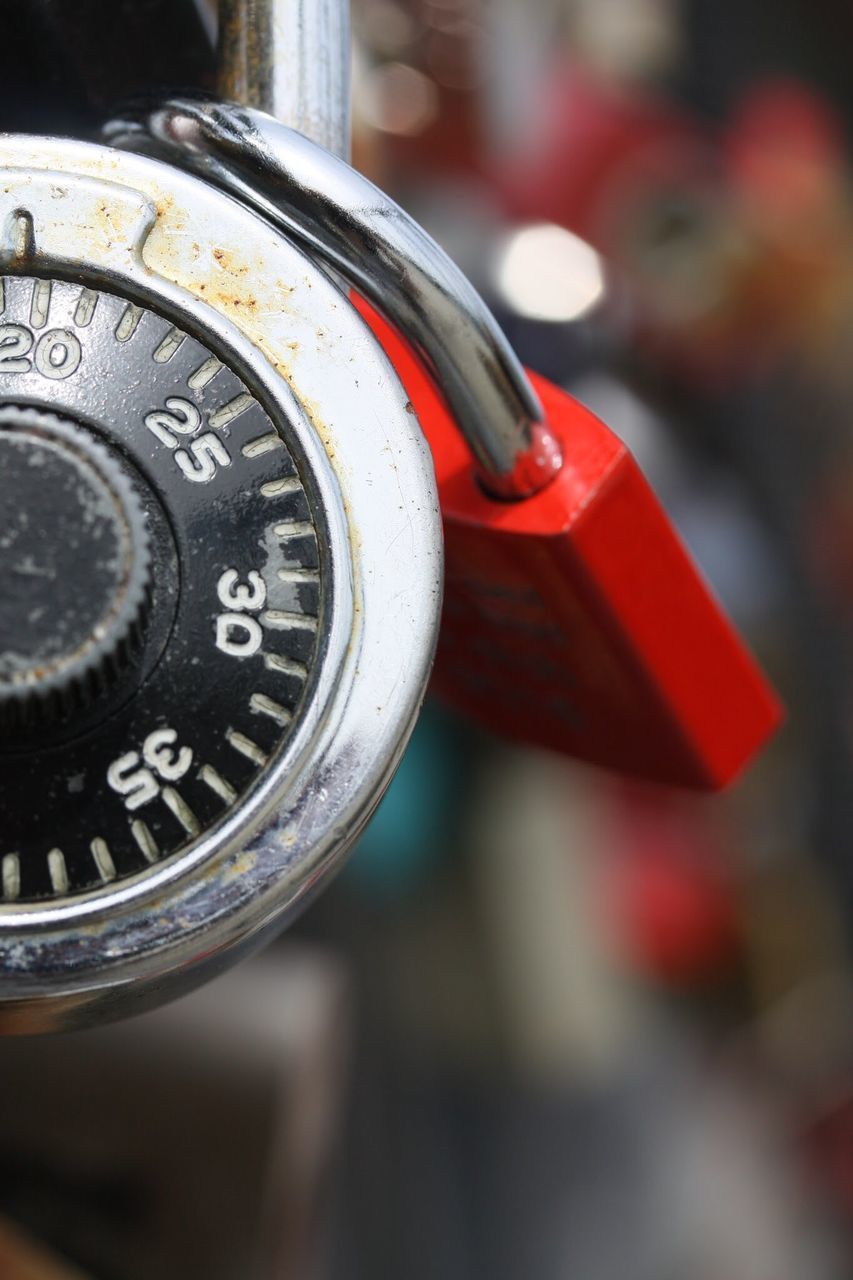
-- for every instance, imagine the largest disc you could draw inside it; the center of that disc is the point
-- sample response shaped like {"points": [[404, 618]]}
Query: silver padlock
{"points": [[221, 580]]}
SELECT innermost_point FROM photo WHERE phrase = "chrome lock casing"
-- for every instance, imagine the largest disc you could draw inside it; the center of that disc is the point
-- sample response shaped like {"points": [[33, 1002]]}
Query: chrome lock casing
{"points": [[167, 242]]}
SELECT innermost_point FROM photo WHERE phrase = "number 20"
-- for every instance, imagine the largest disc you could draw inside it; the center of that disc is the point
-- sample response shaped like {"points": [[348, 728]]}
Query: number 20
{"points": [[57, 353]]}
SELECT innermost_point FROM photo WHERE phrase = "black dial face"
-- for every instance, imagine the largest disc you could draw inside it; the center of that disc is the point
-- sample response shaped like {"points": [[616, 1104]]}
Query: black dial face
{"points": [[160, 547]]}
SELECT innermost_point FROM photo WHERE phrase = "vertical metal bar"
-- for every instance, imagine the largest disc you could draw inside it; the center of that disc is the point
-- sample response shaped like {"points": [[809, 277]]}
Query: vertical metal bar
{"points": [[290, 58]]}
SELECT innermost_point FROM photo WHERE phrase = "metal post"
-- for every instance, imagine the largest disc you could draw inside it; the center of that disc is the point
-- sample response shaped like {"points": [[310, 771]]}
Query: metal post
{"points": [[290, 58]]}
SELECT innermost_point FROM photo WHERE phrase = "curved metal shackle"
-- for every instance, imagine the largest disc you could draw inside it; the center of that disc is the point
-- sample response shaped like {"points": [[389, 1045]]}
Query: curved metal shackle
{"points": [[353, 227]]}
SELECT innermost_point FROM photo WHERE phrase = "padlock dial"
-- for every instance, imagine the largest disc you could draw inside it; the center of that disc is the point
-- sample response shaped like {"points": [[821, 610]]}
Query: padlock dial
{"points": [[162, 581], [77, 581]]}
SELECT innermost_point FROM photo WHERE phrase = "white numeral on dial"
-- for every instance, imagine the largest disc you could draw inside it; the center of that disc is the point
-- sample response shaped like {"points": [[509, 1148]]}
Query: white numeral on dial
{"points": [[160, 755], [137, 783], [207, 452], [199, 460], [234, 595], [138, 786], [236, 634], [57, 353], [16, 342], [179, 416]]}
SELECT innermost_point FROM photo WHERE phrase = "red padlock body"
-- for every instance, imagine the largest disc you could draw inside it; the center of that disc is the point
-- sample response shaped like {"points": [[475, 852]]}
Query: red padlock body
{"points": [[575, 619]]}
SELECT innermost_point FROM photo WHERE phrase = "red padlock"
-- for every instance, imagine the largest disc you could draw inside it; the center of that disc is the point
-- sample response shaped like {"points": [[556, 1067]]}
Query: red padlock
{"points": [[575, 619]]}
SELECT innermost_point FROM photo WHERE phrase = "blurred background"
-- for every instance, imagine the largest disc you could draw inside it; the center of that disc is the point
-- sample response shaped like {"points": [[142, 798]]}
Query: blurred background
{"points": [[548, 1024]]}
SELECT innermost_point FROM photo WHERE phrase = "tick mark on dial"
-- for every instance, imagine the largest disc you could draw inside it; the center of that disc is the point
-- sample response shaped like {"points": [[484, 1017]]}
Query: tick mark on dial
{"points": [[217, 784], [85, 309], [229, 412], [278, 488], [294, 529], [298, 575], [205, 373], [40, 305], [263, 444], [58, 871], [145, 840], [103, 859], [179, 807], [261, 705], [11, 874], [282, 621], [287, 666], [129, 322], [246, 747], [170, 345]]}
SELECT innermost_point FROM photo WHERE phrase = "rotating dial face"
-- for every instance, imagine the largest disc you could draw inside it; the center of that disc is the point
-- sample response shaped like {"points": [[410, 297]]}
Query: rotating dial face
{"points": [[108, 409]]}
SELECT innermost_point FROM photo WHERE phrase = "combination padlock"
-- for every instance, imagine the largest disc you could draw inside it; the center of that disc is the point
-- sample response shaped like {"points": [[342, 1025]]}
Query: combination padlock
{"points": [[574, 618], [220, 579]]}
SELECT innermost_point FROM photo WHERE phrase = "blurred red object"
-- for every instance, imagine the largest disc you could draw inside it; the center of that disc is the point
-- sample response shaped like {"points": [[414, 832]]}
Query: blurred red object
{"points": [[575, 619], [829, 1146], [785, 150], [600, 153], [735, 248], [668, 896]]}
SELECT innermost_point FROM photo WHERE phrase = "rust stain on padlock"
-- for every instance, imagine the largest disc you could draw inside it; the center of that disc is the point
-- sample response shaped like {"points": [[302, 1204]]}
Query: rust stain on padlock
{"points": [[241, 866]]}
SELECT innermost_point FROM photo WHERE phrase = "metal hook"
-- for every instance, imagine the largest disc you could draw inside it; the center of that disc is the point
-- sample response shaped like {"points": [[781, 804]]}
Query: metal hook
{"points": [[352, 226]]}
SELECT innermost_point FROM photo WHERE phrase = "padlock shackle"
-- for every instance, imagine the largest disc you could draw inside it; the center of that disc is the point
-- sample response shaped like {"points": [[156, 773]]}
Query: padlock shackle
{"points": [[352, 226], [290, 58]]}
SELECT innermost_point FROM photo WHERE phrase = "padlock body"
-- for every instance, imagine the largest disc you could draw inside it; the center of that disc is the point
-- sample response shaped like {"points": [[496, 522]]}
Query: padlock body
{"points": [[244, 526], [575, 619]]}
